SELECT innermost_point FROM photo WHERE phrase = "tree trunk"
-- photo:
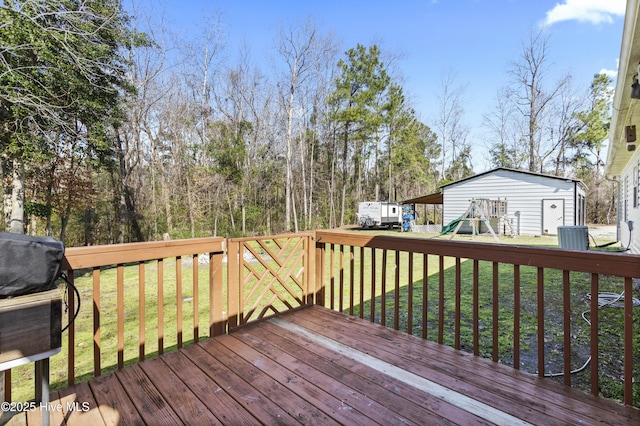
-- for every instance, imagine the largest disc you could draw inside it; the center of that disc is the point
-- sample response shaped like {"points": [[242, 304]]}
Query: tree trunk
{"points": [[6, 192], [16, 218], [191, 205], [344, 174], [127, 205]]}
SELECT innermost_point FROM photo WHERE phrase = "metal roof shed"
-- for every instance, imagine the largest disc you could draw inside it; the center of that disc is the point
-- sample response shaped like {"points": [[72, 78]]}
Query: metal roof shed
{"points": [[536, 203]]}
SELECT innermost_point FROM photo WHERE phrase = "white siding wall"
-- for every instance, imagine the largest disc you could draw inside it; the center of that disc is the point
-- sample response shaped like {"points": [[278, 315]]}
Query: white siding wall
{"points": [[523, 192], [628, 208]]}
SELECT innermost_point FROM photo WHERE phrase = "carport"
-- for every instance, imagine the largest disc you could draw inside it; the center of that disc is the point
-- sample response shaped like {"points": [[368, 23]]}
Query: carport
{"points": [[429, 220]]}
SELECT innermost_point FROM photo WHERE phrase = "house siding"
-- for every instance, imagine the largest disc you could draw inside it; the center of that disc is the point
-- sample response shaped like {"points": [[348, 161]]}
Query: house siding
{"points": [[524, 193], [629, 205]]}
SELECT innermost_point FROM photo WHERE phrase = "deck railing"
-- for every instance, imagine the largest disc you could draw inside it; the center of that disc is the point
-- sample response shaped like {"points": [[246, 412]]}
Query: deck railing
{"points": [[529, 307], [518, 305], [121, 319]]}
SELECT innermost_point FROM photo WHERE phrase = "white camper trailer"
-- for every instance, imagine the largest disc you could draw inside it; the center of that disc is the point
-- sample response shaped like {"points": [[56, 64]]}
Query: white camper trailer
{"points": [[379, 213]]}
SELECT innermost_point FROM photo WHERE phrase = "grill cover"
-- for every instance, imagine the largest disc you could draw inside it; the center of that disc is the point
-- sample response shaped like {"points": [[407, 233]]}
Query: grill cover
{"points": [[28, 264]]}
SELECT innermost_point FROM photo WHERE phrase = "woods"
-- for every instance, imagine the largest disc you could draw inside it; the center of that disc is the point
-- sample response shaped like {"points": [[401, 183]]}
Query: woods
{"points": [[114, 129]]}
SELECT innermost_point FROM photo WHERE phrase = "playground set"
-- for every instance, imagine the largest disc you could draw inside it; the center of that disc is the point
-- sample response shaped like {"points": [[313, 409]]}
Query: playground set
{"points": [[480, 212]]}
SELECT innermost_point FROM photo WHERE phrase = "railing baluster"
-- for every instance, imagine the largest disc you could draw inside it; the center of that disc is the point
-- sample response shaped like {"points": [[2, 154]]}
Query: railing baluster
{"points": [[441, 299], [341, 280], [540, 322], [332, 279], [361, 282], [96, 322], [516, 317], [425, 295], [179, 300], [396, 293], [372, 313], [383, 290], [160, 306], [410, 295], [7, 386], [120, 314], [321, 254], [566, 289], [141, 311], [476, 307], [595, 334], [496, 312], [71, 336], [241, 292], [196, 300], [456, 320], [628, 341], [351, 279]]}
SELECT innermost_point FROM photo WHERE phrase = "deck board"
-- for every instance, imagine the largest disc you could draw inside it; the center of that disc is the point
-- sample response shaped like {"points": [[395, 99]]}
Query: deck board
{"points": [[340, 406], [113, 402], [189, 408], [254, 401], [316, 366], [432, 365], [226, 409], [528, 391], [147, 399], [386, 390]]}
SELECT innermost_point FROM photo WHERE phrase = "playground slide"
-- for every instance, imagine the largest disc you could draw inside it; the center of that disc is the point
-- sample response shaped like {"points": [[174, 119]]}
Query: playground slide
{"points": [[451, 226]]}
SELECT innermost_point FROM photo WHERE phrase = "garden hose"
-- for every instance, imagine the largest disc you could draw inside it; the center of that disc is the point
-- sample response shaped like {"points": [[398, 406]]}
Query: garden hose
{"points": [[605, 299]]}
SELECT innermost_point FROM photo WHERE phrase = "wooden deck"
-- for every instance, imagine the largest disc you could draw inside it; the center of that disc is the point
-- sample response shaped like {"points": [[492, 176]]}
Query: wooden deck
{"points": [[316, 366]]}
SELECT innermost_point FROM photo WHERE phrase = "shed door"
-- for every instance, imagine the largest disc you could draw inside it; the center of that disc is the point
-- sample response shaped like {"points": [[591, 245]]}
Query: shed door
{"points": [[552, 216]]}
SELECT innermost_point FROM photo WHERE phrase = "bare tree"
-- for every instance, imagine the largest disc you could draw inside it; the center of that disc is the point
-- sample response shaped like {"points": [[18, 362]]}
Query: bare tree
{"points": [[451, 129], [505, 147], [305, 53], [532, 98]]}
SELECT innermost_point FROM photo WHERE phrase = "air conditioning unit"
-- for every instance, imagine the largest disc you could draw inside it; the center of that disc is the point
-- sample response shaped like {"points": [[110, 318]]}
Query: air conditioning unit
{"points": [[573, 237]]}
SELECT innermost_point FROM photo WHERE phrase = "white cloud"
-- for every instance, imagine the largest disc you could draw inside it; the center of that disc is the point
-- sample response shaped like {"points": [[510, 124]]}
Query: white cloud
{"points": [[592, 11], [610, 73]]}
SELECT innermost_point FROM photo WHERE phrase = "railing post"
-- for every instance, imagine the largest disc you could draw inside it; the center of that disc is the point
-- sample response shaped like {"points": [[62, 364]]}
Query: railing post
{"points": [[233, 283], [310, 269], [318, 283], [218, 324]]}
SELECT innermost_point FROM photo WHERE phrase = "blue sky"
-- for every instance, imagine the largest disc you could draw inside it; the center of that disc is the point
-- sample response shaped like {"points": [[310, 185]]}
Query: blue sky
{"points": [[473, 39]]}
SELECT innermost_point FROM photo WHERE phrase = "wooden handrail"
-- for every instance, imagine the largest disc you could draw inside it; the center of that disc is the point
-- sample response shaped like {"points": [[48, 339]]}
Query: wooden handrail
{"points": [[597, 262], [114, 254]]}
